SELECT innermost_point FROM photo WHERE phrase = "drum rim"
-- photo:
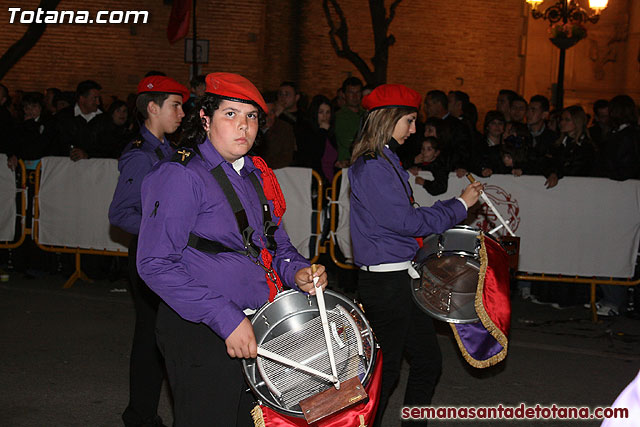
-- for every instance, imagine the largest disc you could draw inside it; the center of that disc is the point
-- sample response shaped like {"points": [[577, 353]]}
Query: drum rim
{"points": [[462, 253], [298, 414], [462, 227]]}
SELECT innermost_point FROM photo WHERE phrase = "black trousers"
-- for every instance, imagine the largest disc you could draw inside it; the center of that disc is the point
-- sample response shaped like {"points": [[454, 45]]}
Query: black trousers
{"points": [[401, 329], [207, 385], [146, 370]]}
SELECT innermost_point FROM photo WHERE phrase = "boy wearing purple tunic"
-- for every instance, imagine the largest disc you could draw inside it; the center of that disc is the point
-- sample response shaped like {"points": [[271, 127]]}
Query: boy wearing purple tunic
{"points": [[160, 104]]}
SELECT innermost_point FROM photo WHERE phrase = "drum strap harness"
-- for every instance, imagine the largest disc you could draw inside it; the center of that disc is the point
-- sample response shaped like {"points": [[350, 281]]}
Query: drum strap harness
{"points": [[270, 190], [159, 153]]}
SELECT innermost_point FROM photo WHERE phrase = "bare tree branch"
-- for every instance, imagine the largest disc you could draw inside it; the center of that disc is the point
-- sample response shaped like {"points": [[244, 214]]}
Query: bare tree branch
{"points": [[341, 33], [392, 12], [380, 25], [28, 40]]}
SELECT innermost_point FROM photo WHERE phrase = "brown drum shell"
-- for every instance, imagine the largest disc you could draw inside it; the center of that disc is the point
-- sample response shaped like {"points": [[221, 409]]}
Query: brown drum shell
{"points": [[448, 265]]}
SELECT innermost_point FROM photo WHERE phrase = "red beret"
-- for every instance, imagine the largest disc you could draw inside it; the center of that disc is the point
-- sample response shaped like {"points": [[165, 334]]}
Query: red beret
{"points": [[234, 87], [389, 95], [163, 84]]}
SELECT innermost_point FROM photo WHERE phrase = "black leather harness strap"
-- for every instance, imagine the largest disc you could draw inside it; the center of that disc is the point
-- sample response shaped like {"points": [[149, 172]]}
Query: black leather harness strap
{"points": [[250, 248], [159, 153]]}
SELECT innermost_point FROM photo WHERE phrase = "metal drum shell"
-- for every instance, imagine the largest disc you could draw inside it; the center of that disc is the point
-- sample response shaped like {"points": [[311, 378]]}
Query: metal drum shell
{"points": [[289, 310], [458, 245]]}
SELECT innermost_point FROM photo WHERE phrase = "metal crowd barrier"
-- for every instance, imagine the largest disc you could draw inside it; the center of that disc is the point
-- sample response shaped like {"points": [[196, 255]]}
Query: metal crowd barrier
{"points": [[318, 212], [22, 210], [78, 274], [591, 281], [333, 194]]}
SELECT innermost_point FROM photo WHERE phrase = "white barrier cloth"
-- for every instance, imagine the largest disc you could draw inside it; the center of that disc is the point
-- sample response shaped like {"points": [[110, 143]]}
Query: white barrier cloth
{"points": [[343, 229], [7, 201], [296, 187], [583, 226], [74, 203]]}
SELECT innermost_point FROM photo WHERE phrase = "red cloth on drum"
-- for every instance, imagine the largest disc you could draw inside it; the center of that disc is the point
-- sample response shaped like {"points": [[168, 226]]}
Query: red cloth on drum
{"points": [[495, 296], [485, 343], [347, 418]]}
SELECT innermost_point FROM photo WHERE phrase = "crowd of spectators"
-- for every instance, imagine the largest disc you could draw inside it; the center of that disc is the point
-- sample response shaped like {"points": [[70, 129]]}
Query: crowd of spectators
{"points": [[518, 137]]}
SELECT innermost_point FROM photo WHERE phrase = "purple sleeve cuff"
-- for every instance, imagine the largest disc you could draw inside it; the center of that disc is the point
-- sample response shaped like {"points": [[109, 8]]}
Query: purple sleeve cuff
{"points": [[226, 320], [290, 274]]}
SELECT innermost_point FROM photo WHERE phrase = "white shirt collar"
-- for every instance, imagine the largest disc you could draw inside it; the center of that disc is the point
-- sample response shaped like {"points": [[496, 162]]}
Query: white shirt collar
{"points": [[534, 134], [491, 142], [88, 117], [238, 165]]}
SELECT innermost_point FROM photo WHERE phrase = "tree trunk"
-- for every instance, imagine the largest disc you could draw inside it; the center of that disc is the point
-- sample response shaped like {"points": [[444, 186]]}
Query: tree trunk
{"points": [[339, 37], [28, 40]]}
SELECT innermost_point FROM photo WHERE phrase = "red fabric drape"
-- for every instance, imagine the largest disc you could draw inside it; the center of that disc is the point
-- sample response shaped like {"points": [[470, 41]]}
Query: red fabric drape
{"points": [[496, 298], [347, 418], [179, 20]]}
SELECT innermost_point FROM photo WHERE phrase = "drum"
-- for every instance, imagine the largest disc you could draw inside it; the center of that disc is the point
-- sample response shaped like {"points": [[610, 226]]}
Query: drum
{"points": [[291, 327], [448, 265]]}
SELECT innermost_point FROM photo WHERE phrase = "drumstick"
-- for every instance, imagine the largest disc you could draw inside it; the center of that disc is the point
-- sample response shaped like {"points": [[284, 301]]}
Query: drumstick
{"points": [[292, 363], [490, 204], [325, 325]]}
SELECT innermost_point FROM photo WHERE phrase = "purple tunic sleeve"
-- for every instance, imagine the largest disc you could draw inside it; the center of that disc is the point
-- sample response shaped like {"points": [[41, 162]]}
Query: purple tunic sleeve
{"points": [[171, 198], [383, 221], [125, 209], [380, 190]]}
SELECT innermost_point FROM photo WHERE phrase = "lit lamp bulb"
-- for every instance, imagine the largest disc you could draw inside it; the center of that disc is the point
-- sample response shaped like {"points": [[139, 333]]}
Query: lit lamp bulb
{"points": [[598, 5], [535, 3]]}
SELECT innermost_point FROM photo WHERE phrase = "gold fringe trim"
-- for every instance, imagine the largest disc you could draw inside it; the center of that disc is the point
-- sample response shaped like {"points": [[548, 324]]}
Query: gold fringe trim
{"points": [[258, 418], [484, 318]]}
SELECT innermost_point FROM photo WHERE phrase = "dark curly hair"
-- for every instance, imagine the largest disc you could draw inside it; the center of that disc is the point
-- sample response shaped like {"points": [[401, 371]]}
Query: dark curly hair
{"points": [[193, 133]]}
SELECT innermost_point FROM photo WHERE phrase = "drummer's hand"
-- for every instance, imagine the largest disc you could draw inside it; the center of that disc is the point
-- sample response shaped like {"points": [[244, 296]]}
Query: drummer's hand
{"points": [[304, 279], [242, 341], [471, 194]]}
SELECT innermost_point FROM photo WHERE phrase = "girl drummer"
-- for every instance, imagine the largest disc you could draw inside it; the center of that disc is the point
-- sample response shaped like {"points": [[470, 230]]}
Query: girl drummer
{"points": [[211, 252], [384, 225]]}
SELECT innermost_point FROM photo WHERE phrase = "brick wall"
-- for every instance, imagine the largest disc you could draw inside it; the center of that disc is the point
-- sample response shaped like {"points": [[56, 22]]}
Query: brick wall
{"points": [[446, 44], [437, 42], [117, 59], [281, 54]]}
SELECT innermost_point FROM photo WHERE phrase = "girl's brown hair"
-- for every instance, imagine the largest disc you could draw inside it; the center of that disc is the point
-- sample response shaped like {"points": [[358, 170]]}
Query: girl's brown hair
{"points": [[378, 130]]}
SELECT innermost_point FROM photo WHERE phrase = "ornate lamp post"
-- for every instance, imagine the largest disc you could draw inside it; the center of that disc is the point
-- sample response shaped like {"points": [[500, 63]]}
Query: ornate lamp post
{"points": [[566, 26]]}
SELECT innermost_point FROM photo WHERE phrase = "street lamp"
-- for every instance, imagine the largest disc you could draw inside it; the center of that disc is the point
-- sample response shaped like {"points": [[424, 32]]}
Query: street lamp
{"points": [[566, 26]]}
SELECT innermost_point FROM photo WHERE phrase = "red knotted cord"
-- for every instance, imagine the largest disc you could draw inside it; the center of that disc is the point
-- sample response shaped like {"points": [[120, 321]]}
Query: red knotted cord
{"points": [[276, 287], [273, 192], [271, 187]]}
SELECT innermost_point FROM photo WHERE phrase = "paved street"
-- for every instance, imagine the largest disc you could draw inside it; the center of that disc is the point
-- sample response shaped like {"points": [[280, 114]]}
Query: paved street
{"points": [[65, 356]]}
